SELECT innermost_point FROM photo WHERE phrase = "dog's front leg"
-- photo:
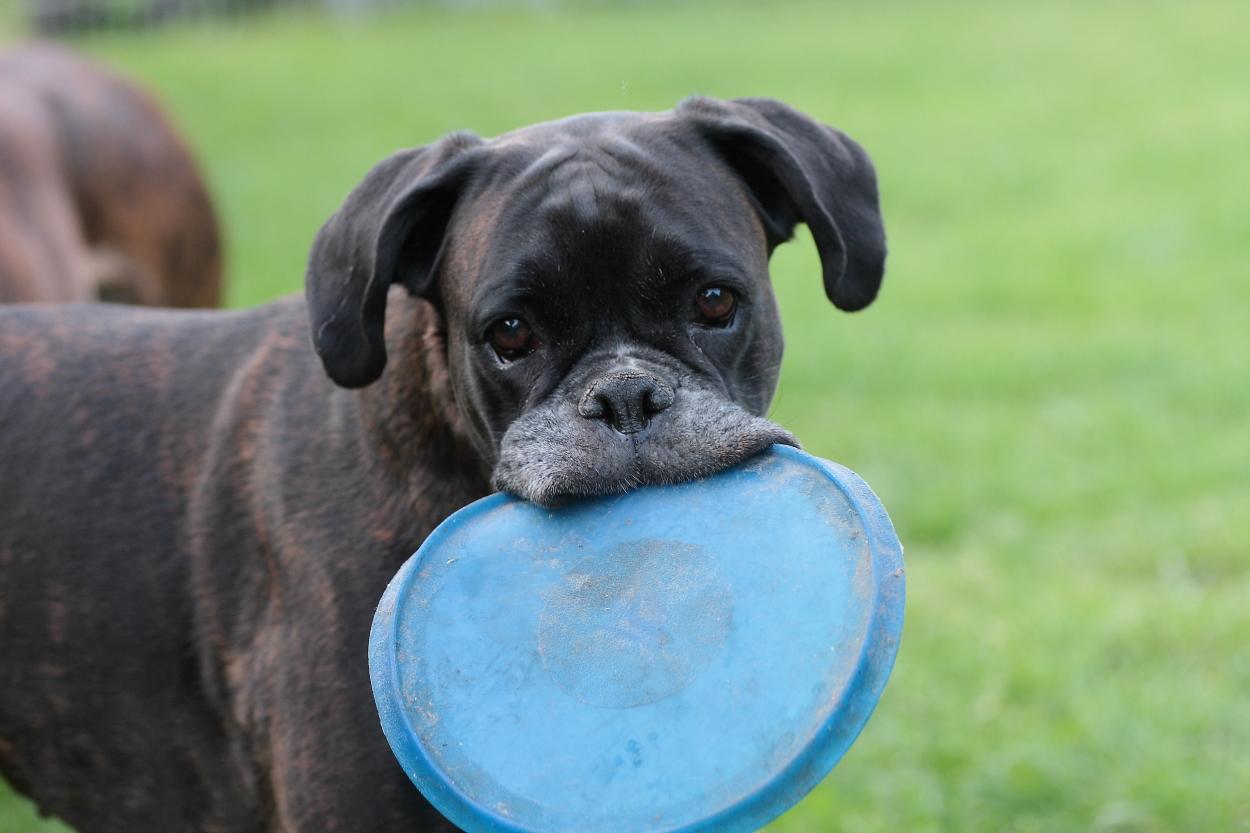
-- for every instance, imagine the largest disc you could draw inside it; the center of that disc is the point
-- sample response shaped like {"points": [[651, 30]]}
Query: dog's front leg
{"points": [[331, 768]]}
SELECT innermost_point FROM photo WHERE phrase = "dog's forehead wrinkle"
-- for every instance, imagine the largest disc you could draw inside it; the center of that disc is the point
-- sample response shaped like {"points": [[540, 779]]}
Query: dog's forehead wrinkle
{"points": [[588, 197], [610, 158], [584, 196], [579, 166]]}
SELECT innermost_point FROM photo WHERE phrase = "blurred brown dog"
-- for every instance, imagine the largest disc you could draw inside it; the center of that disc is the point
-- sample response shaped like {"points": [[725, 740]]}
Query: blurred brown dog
{"points": [[99, 199]]}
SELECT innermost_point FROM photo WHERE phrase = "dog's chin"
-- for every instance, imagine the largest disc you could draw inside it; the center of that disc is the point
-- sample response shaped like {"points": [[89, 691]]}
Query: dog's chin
{"points": [[553, 455]]}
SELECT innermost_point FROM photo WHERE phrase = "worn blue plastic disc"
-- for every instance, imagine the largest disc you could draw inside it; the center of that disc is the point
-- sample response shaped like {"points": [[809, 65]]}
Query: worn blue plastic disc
{"points": [[678, 658]]}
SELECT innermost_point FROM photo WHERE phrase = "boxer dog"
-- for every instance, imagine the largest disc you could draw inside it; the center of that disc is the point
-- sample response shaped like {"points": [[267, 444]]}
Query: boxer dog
{"points": [[99, 200], [200, 510]]}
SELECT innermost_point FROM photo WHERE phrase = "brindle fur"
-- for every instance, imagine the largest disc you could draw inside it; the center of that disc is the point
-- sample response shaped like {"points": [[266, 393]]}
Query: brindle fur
{"points": [[198, 517]]}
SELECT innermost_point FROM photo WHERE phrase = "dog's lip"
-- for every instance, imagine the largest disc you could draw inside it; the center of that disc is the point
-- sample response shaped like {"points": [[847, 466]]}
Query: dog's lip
{"points": [[553, 454]]}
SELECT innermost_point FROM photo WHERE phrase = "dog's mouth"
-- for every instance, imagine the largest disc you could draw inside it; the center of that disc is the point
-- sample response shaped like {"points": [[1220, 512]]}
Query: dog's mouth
{"points": [[621, 440]]}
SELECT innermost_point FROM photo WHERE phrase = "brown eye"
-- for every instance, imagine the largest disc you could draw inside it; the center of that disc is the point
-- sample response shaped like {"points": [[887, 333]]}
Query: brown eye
{"points": [[714, 306], [511, 338]]}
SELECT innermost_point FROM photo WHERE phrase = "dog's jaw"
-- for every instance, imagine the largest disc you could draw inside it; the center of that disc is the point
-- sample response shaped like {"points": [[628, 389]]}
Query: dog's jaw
{"points": [[552, 454]]}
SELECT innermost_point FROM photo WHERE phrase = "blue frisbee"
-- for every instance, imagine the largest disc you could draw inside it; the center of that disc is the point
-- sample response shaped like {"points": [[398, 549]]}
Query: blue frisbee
{"points": [[687, 658]]}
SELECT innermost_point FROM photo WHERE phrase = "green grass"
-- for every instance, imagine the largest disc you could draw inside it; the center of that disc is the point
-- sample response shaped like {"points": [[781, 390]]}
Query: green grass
{"points": [[1051, 396]]}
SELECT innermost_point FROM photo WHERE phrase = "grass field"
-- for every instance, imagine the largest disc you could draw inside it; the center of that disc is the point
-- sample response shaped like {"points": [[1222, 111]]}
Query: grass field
{"points": [[1051, 396]]}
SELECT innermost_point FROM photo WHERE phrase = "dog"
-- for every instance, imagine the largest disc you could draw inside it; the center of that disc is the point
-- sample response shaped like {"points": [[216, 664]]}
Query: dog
{"points": [[99, 199], [199, 511]]}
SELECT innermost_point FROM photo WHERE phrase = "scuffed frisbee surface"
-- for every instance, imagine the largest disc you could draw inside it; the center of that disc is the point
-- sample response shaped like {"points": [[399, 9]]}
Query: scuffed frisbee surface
{"points": [[679, 658]]}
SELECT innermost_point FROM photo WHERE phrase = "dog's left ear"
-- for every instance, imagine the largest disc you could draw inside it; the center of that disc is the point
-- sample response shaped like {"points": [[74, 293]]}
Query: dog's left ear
{"points": [[389, 230], [799, 170]]}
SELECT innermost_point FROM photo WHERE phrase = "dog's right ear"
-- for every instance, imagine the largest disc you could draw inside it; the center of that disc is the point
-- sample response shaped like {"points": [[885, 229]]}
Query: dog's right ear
{"points": [[389, 230], [799, 170]]}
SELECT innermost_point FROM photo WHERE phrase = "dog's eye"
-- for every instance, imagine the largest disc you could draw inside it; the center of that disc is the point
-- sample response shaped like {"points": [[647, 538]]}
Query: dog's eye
{"points": [[714, 306], [512, 338]]}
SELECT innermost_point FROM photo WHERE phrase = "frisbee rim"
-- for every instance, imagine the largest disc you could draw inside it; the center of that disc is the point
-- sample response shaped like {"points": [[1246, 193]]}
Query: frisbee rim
{"points": [[776, 794]]}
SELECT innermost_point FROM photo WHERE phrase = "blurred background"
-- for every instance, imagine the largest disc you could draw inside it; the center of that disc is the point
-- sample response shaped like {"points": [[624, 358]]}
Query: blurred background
{"points": [[1051, 395]]}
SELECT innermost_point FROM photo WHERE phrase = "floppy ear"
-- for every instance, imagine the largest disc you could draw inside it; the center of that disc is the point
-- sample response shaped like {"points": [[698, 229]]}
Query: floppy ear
{"points": [[389, 230], [799, 170]]}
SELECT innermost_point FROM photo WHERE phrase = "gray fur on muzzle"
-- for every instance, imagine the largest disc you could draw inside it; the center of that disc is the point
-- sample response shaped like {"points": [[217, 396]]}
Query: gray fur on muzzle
{"points": [[554, 454]]}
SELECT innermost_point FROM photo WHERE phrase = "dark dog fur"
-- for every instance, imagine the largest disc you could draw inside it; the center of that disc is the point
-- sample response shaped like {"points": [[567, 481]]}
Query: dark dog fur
{"points": [[197, 518], [99, 199]]}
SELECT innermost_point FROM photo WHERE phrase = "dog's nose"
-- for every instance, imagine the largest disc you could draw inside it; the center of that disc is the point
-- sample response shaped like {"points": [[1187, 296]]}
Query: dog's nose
{"points": [[626, 401]]}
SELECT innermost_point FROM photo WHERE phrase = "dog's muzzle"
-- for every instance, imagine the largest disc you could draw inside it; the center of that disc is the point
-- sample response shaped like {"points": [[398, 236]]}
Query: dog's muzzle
{"points": [[574, 445]]}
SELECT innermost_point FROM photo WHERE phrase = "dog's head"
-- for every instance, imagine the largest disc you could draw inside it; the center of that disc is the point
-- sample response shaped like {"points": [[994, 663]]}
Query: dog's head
{"points": [[603, 281]]}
